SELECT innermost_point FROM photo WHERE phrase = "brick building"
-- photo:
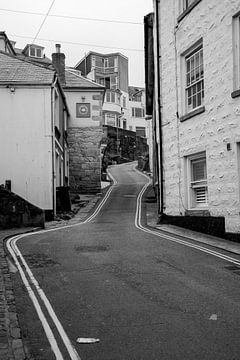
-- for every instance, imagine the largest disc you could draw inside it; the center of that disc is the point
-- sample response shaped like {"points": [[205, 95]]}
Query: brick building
{"points": [[197, 112]]}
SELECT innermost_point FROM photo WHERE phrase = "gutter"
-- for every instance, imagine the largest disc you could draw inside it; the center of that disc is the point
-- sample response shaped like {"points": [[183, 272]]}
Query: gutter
{"points": [[53, 146], [158, 104]]}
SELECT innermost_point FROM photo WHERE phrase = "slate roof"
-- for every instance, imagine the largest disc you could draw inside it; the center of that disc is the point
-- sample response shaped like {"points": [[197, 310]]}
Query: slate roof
{"points": [[74, 79], [14, 70]]}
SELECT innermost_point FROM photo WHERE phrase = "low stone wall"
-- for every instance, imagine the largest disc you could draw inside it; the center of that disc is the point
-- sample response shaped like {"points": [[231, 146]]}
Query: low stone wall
{"points": [[205, 224], [85, 159], [17, 212]]}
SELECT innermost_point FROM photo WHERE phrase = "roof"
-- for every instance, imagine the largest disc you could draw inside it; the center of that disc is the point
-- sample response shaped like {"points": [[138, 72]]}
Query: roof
{"points": [[6, 39], [133, 90], [100, 54], [74, 79], [14, 70]]}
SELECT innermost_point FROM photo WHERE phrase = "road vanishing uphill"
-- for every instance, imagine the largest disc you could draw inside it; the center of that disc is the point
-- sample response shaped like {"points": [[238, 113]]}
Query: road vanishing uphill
{"points": [[113, 288]]}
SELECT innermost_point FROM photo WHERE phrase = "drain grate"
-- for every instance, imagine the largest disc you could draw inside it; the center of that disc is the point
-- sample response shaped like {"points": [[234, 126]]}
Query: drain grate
{"points": [[40, 260], [93, 248]]}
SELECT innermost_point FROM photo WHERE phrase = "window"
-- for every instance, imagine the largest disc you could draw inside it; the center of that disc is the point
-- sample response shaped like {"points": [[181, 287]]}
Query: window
{"points": [[124, 102], [112, 97], [137, 112], [194, 79], [236, 52], [110, 119], [35, 52], [186, 4], [124, 124], [140, 131], [198, 189], [137, 98], [114, 82]]}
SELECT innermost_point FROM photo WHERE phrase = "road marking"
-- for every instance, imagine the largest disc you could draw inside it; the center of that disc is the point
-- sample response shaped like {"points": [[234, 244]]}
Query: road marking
{"points": [[15, 252], [139, 225], [46, 327]]}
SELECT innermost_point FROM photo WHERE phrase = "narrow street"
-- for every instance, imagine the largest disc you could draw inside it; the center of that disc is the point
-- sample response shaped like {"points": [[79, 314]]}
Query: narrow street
{"points": [[139, 294]]}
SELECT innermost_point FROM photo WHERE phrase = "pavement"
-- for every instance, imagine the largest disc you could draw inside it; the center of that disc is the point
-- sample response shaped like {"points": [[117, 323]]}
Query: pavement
{"points": [[11, 344]]}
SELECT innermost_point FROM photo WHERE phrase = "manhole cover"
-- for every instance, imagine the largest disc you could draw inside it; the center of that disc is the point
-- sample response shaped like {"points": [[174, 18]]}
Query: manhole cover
{"points": [[39, 260], [93, 248]]}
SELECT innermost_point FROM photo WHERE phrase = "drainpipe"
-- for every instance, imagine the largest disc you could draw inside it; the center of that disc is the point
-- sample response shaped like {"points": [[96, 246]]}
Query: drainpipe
{"points": [[158, 106], [53, 146]]}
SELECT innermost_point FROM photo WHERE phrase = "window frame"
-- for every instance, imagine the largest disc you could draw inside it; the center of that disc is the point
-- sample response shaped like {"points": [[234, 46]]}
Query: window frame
{"points": [[185, 10], [192, 184], [236, 51], [33, 52], [188, 112]]}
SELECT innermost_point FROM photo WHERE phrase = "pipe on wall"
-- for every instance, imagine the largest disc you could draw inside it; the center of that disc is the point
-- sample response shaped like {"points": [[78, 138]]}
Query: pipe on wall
{"points": [[158, 106]]}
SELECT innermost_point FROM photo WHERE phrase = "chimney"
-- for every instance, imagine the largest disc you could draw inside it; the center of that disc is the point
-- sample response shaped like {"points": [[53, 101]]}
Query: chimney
{"points": [[58, 61]]}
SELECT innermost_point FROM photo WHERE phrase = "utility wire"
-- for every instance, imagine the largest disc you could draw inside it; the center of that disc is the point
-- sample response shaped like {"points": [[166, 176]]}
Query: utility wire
{"points": [[46, 15], [73, 17], [77, 43]]}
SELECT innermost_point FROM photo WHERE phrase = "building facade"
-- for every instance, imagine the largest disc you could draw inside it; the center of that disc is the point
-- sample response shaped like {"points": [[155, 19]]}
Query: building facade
{"points": [[111, 71], [33, 136], [136, 121], [85, 102], [197, 110]]}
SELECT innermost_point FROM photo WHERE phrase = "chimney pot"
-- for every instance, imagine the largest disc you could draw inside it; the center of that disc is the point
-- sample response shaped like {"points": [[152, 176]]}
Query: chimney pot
{"points": [[58, 48]]}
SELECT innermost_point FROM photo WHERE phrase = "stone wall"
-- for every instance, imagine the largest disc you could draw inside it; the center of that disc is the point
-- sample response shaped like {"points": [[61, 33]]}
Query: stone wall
{"points": [[218, 125], [85, 159], [17, 212]]}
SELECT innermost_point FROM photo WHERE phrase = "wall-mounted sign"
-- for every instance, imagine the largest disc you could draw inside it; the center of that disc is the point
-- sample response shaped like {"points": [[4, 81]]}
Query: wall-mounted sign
{"points": [[83, 110]]}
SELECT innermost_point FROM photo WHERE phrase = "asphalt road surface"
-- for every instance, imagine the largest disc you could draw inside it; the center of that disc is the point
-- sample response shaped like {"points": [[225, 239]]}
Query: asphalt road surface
{"points": [[136, 293]]}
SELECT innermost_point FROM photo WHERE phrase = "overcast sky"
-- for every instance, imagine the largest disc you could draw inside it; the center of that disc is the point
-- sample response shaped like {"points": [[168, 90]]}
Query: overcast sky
{"points": [[108, 36]]}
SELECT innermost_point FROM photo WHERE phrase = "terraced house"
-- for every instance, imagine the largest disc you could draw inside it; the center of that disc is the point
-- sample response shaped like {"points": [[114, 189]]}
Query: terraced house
{"points": [[197, 113], [33, 137]]}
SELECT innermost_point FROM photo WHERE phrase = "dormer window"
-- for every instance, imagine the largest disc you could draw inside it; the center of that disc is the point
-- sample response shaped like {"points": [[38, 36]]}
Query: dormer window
{"points": [[35, 52]]}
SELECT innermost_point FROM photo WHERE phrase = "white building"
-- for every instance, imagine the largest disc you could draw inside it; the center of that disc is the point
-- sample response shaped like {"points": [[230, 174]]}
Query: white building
{"points": [[136, 120], [33, 143], [197, 72]]}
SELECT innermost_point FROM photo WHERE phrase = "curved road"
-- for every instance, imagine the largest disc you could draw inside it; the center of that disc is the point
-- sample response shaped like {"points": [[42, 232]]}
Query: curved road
{"points": [[137, 293]]}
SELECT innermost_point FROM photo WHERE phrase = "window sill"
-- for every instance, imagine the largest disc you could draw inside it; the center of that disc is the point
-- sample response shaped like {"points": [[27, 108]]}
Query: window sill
{"points": [[197, 212], [235, 93], [188, 10], [192, 113]]}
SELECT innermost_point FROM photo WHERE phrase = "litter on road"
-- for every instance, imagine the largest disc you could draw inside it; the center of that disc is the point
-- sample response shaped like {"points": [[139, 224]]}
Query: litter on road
{"points": [[87, 340]]}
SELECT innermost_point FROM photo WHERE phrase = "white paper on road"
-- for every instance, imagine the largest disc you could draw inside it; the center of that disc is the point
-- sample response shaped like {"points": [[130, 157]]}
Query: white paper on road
{"points": [[87, 340]]}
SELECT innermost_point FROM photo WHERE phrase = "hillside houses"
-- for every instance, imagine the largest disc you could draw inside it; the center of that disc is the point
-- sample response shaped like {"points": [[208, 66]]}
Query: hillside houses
{"points": [[55, 138]]}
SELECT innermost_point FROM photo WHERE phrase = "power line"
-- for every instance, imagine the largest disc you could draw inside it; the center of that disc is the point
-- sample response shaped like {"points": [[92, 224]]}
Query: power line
{"points": [[73, 17], [77, 43], [40, 27], [46, 15]]}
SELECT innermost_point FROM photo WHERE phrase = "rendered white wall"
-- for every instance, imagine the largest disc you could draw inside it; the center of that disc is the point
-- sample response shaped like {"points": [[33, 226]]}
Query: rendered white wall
{"points": [[94, 98], [218, 125], [25, 143]]}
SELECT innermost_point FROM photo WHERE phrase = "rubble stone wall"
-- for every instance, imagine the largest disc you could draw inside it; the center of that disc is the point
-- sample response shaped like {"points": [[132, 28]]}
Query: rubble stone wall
{"points": [[17, 212], [85, 159]]}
